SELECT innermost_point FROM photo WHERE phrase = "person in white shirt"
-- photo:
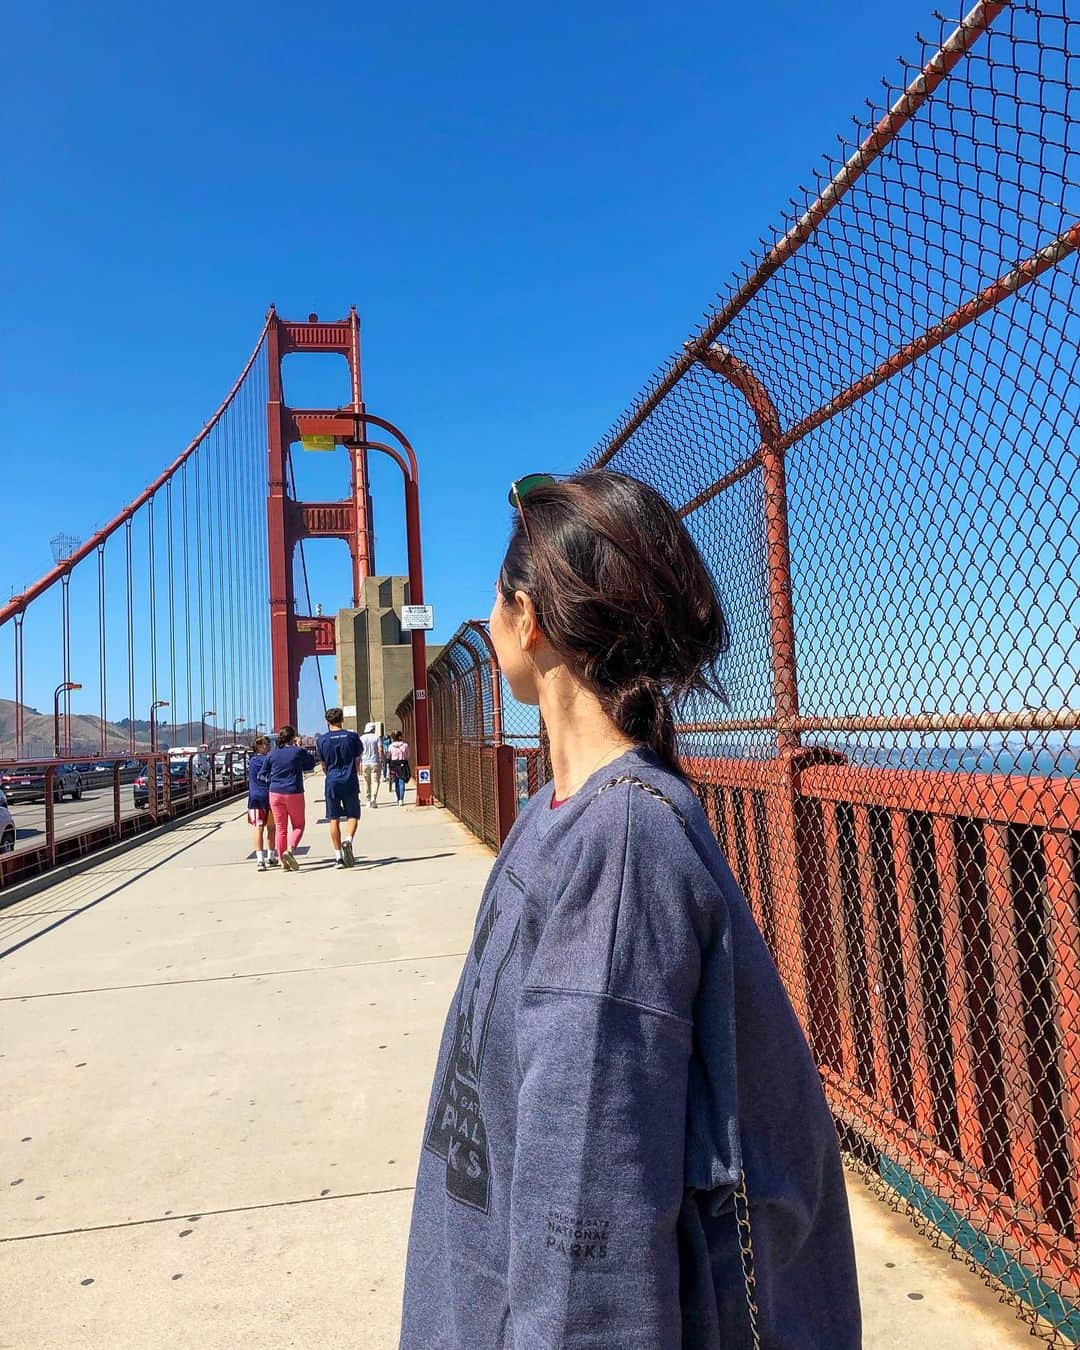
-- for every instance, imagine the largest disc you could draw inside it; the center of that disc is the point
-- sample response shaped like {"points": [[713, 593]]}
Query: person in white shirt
{"points": [[371, 762]]}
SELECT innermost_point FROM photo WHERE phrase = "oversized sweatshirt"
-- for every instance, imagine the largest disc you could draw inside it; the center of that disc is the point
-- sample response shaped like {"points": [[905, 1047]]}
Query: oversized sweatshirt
{"points": [[618, 1051]]}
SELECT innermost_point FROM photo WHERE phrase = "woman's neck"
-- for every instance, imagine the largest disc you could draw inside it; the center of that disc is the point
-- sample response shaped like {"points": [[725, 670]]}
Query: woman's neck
{"points": [[581, 736]]}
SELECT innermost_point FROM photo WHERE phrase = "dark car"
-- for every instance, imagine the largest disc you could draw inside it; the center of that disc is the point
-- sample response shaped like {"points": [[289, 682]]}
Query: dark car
{"points": [[99, 772], [179, 782], [28, 785]]}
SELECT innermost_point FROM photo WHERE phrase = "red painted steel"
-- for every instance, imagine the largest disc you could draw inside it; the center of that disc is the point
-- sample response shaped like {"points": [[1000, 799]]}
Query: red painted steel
{"points": [[293, 637]]}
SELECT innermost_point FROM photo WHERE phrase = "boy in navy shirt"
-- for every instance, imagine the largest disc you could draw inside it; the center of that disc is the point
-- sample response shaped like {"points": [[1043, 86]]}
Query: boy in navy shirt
{"points": [[340, 752]]}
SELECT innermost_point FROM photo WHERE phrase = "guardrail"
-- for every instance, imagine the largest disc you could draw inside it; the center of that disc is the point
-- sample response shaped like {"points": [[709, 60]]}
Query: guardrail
{"points": [[111, 805]]}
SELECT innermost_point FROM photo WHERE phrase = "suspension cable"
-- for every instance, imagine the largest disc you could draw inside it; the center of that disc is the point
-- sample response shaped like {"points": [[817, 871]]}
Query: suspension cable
{"points": [[102, 663]]}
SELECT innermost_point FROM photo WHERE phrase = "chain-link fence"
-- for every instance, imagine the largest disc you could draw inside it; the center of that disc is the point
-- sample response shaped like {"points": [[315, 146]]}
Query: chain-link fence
{"points": [[487, 754], [872, 441]]}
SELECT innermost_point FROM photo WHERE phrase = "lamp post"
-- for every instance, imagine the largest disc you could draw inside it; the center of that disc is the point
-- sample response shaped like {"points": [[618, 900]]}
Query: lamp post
{"points": [[208, 713], [235, 723], [158, 703], [61, 688]]}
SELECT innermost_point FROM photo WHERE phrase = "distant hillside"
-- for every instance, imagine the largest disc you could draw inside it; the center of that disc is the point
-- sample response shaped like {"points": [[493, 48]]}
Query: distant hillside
{"points": [[85, 734]]}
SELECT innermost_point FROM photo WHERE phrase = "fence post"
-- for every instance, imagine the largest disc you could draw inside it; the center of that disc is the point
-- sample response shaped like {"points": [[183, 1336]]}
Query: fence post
{"points": [[50, 814], [505, 791], [116, 799]]}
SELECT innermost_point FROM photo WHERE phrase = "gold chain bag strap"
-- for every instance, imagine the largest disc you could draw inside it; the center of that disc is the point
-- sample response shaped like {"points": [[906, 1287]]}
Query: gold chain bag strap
{"points": [[742, 1203]]}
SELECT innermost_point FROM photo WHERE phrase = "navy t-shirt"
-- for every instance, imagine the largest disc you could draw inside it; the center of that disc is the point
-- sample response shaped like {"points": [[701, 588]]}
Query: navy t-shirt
{"points": [[258, 793], [283, 769], [339, 750]]}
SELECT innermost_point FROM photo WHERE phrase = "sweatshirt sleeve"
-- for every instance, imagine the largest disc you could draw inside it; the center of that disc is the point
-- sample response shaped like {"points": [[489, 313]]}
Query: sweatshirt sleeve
{"points": [[307, 759], [604, 1042]]}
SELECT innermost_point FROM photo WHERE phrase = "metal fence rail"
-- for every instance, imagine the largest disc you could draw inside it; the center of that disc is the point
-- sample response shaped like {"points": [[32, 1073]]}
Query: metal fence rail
{"points": [[872, 440], [44, 822]]}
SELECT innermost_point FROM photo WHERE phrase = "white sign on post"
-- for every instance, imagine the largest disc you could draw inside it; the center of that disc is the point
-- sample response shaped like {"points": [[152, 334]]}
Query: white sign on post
{"points": [[417, 617]]}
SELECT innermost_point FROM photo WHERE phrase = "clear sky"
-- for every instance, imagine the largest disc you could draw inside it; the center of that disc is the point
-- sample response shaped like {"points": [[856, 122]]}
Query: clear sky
{"points": [[529, 206]]}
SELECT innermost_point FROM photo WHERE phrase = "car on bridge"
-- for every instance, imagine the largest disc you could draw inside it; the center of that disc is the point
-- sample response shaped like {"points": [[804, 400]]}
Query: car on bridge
{"points": [[7, 827], [28, 784], [179, 783]]}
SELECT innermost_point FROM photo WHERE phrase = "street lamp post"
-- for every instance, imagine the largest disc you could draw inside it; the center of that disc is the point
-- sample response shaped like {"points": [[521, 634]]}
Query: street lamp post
{"points": [[61, 688], [158, 703], [208, 713], [235, 723]]}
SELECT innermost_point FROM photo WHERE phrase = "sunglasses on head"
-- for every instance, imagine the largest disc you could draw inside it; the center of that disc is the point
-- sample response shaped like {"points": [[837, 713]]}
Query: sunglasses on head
{"points": [[520, 489]]}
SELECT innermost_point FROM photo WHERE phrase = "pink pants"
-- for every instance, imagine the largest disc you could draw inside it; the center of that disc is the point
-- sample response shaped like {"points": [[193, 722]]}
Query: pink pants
{"points": [[288, 812]]}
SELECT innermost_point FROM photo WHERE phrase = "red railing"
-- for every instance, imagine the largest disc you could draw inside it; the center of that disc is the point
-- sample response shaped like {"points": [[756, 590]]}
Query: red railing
{"points": [[116, 800]]}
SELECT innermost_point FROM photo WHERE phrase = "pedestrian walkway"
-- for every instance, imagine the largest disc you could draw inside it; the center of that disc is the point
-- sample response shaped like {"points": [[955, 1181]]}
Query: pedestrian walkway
{"points": [[212, 1088]]}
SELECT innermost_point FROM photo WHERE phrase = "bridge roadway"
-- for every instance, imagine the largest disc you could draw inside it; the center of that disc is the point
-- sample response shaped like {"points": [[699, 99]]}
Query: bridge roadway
{"points": [[212, 1088]]}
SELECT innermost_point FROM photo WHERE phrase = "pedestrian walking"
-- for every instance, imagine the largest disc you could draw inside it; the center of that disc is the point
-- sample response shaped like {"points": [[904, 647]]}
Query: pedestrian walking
{"points": [[283, 773], [371, 763], [384, 742], [398, 759], [628, 1145], [258, 807], [340, 751]]}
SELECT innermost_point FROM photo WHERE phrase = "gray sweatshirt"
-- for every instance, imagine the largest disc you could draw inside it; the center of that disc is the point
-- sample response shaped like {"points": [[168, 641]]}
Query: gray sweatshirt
{"points": [[619, 1048]]}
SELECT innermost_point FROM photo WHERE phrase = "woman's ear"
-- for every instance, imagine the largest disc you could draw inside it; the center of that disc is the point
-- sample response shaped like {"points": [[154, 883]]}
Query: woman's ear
{"points": [[527, 626]]}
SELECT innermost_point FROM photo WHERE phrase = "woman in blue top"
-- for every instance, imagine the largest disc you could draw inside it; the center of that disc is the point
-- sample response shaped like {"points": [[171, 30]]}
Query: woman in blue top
{"points": [[283, 773], [628, 1146]]}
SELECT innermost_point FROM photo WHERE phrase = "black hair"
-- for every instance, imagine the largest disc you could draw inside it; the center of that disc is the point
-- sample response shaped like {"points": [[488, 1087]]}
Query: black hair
{"points": [[286, 735], [622, 593]]}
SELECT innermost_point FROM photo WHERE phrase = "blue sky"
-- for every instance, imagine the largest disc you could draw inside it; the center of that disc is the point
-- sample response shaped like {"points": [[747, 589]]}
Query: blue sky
{"points": [[529, 207]]}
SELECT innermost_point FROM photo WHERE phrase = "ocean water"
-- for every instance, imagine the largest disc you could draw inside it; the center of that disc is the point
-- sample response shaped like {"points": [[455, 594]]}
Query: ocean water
{"points": [[1042, 756]]}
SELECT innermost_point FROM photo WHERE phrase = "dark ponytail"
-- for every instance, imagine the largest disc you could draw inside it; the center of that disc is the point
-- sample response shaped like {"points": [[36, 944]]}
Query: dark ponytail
{"points": [[622, 593], [642, 711], [286, 736]]}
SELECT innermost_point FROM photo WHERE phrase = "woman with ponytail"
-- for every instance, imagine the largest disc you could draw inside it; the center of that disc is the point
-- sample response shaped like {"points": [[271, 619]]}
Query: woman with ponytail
{"points": [[628, 1147]]}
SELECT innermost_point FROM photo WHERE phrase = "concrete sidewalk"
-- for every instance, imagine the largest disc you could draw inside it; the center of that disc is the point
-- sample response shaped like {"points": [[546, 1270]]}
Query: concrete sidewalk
{"points": [[212, 1088]]}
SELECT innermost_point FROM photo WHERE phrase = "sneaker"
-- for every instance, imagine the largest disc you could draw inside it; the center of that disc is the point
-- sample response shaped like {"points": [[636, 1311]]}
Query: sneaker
{"points": [[262, 866], [347, 858], [289, 862], [275, 861], [340, 864]]}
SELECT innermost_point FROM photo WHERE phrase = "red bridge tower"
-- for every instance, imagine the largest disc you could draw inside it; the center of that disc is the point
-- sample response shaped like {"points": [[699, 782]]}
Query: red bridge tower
{"points": [[294, 636]]}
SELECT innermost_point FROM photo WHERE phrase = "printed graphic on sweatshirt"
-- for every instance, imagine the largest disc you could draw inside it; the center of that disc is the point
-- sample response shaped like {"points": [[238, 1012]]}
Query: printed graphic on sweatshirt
{"points": [[579, 1239], [456, 1132]]}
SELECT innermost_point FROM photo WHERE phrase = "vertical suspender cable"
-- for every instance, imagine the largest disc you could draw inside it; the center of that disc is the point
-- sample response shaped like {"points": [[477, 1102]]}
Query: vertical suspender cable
{"points": [[210, 526], [187, 601], [251, 555], [199, 586], [130, 637], [20, 692], [102, 663], [219, 524], [228, 435], [151, 558], [174, 703], [243, 530]]}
